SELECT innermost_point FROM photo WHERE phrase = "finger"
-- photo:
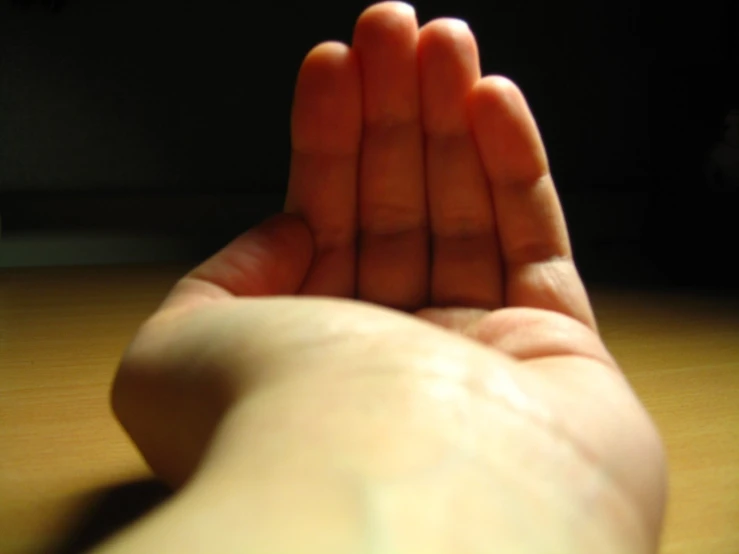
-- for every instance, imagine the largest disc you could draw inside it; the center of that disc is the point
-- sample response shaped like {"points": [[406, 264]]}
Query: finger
{"points": [[270, 259], [326, 134], [466, 267], [393, 263], [535, 246]]}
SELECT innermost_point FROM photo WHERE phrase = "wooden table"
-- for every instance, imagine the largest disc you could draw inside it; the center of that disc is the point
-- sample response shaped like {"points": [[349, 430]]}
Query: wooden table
{"points": [[68, 473]]}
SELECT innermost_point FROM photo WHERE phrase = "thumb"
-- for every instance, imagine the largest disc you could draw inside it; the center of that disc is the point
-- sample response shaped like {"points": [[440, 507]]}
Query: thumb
{"points": [[272, 258]]}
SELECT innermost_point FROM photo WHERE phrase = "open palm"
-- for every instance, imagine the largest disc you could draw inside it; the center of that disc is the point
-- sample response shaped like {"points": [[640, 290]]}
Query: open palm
{"points": [[422, 183]]}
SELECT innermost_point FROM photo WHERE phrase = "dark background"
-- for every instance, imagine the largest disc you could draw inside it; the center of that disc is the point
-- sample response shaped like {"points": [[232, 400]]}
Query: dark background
{"points": [[171, 118]]}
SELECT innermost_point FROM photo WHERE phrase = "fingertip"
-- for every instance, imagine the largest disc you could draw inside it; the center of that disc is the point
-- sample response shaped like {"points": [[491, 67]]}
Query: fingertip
{"points": [[444, 27], [449, 66], [328, 51], [505, 130], [382, 20], [386, 25], [445, 39], [380, 11], [496, 99], [326, 64], [326, 114], [500, 82], [495, 92]]}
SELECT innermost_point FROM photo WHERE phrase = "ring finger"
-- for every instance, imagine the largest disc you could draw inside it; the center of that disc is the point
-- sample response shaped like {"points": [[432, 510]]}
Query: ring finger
{"points": [[466, 269]]}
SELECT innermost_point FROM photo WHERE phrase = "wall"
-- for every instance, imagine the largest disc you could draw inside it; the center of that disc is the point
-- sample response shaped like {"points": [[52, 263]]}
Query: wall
{"points": [[183, 98]]}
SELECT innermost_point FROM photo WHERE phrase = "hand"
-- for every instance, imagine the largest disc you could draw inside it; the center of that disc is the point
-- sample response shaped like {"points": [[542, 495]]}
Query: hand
{"points": [[417, 186], [422, 183]]}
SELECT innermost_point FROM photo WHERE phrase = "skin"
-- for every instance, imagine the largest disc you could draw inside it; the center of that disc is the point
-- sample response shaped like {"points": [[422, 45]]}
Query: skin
{"points": [[406, 360]]}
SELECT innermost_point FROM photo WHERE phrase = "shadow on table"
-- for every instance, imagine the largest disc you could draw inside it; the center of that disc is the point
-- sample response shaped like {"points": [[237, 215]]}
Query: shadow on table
{"points": [[110, 511]]}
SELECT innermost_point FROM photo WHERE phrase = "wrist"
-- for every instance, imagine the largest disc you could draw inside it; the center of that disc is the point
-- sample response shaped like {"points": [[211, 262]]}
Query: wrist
{"points": [[322, 469]]}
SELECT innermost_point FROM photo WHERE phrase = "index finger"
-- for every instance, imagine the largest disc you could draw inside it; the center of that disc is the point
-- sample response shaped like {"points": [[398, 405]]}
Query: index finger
{"points": [[326, 136]]}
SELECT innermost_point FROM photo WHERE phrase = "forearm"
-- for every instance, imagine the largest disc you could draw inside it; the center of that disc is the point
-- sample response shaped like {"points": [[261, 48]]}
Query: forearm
{"points": [[383, 465]]}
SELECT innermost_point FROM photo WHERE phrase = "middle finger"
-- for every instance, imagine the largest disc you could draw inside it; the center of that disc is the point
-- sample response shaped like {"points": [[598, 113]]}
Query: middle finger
{"points": [[393, 259]]}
